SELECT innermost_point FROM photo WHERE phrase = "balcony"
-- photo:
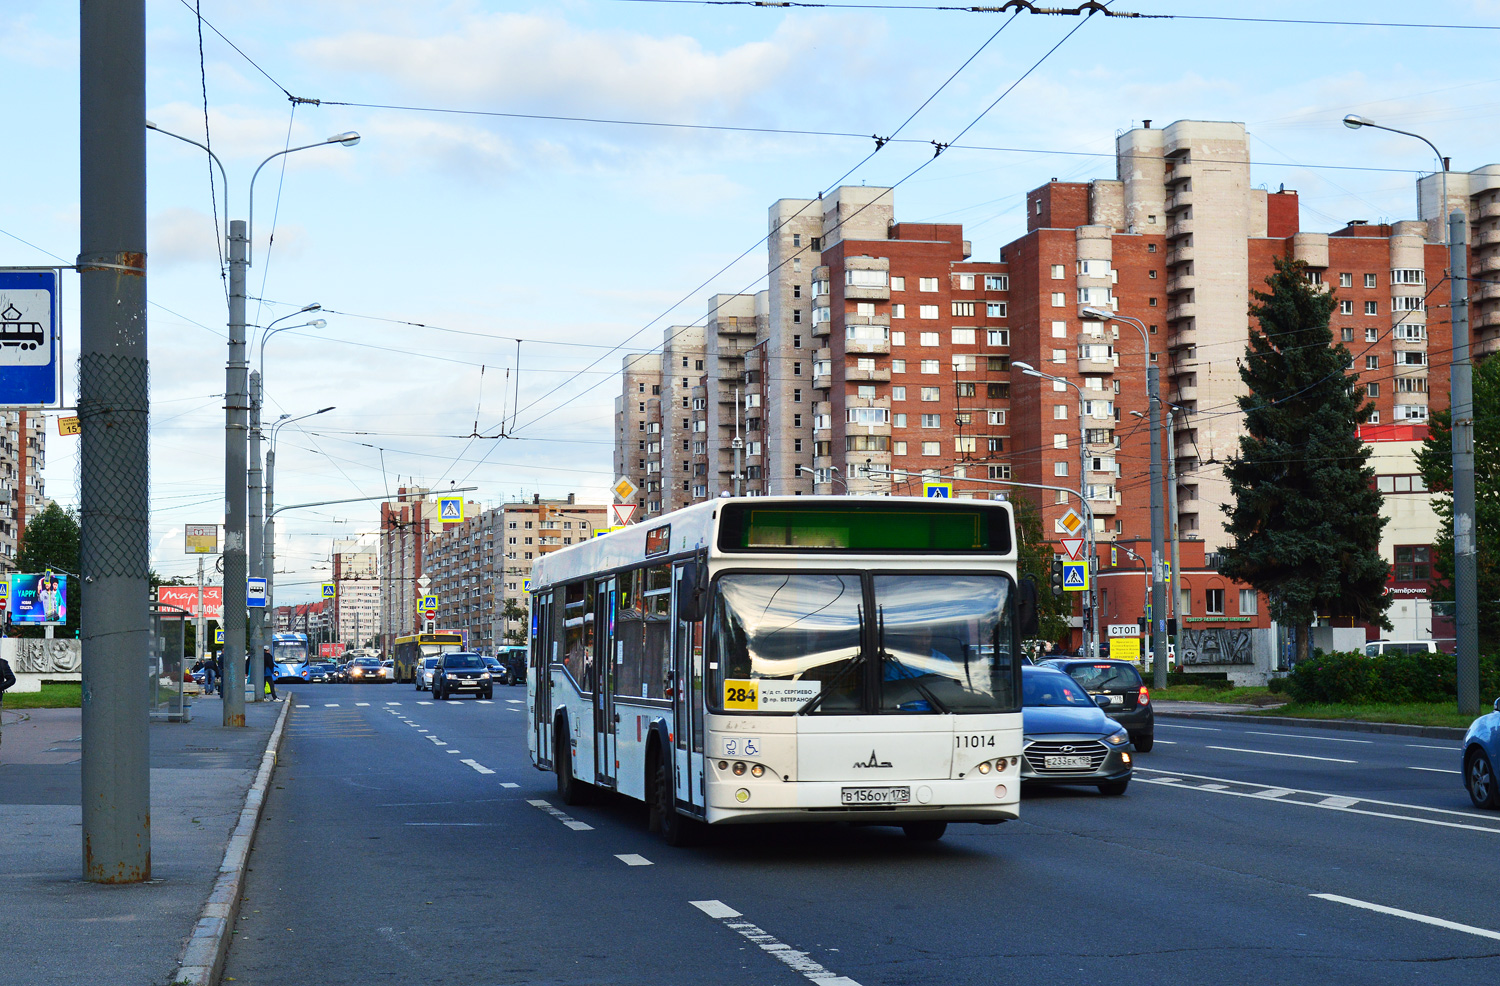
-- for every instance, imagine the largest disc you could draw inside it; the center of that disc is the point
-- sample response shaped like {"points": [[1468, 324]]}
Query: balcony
{"points": [[1186, 309], [1183, 227], [1094, 366], [1181, 282], [1102, 508], [1179, 200], [857, 292], [867, 347], [1179, 253], [1487, 262], [1188, 393], [854, 374], [1488, 210], [1481, 292], [735, 325]]}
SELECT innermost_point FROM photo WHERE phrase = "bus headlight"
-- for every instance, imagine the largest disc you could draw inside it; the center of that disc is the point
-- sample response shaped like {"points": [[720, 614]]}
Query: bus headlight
{"points": [[984, 768], [757, 770], [739, 767]]}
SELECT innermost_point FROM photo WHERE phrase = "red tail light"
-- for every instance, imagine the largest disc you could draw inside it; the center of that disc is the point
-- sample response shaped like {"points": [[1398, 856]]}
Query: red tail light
{"points": [[1144, 698]]}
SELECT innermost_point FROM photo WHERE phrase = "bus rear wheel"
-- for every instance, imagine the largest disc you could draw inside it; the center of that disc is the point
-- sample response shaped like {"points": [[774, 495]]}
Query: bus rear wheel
{"points": [[570, 790]]}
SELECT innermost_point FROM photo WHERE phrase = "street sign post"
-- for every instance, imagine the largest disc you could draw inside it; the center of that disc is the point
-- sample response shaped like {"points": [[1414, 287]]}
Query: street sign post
{"points": [[218, 635], [624, 489], [451, 509], [29, 337], [937, 491], [428, 603], [201, 539], [255, 593], [1075, 576], [1070, 523]]}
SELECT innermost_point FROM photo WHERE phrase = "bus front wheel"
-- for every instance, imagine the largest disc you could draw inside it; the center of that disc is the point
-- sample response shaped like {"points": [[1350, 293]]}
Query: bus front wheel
{"points": [[676, 829]]}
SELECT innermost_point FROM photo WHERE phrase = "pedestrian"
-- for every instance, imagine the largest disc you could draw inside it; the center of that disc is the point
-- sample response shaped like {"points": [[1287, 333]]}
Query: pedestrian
{"points": [[210, 671], [270, 674], [7, 680]]}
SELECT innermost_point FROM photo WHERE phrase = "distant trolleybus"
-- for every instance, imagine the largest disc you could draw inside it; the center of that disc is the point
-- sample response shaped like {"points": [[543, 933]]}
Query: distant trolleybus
{"points": [[787, 659], [410, 650], [289, 656]]}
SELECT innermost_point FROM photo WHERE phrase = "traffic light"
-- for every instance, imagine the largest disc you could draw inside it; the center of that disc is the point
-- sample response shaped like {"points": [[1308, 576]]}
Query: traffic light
{"points": [[1057, 577]]}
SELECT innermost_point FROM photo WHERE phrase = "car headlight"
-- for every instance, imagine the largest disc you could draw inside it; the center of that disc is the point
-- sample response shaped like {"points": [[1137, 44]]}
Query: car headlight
{"points": [[1118, 739]]}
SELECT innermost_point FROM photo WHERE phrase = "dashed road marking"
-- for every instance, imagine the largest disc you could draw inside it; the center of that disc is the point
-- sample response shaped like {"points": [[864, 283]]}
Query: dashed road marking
{"points": [[304, 706], [631, 859], [1445, 749], [1338, 802], [570, 822], [514, 701], [330, 705], [1435, 770], [1467, 929], [1325, 739], [478, 766], [438, 741], [393, 703], [1201, 729], [361, 703], [1272, 753], [424, 703], [1167, 742], [509, 784], [512, 710], [798, 961], [485, 701]]}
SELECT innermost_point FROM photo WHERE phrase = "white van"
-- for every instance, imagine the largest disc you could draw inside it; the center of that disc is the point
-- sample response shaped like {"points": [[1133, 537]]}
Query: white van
{"points": [[1377, 647]]}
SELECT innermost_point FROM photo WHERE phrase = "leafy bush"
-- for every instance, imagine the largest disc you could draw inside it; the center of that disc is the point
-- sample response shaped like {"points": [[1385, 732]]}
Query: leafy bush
{"points": [[1351, 678], [1277, 686]]}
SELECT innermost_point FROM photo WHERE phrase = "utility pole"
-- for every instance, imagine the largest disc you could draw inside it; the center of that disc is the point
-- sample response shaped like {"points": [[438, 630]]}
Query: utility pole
{"points": [[113, 407], [198, 637], [1465, 557], [257, 558], [1176, 592], [1158, 590], [236, 411]]}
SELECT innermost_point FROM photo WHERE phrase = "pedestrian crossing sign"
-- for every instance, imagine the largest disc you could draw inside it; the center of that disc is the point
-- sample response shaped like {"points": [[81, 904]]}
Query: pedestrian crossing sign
{"points": [[1075, 576], [526, 585], [451, 509], [428, 602], [219, 635], [937, 491], [328, 592]]}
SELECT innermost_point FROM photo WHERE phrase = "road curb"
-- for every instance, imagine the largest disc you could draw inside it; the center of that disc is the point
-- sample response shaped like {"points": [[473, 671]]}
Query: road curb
{"points": [[203, 958], [1343, 725]]}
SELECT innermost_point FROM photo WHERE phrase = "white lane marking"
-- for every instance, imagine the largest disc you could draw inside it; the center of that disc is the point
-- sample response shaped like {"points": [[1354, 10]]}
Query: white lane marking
{"points": [[330, 705], [1325, 739], [514, 701], [1272, 753], [798, 961], [393, 703], [485, 701], [304, 706], [1213, 787], [1446, 749], [424, 703], [478, 766], [1467, 929], [361, 703], [1201, 729], [449, 824], [1338, 802], [1329, 802], [1435, 770], [451, 750], [420, 730], [631, 859], [1167, 742], [509, 784], [571, 823], [438, 741], [1274, 792]]}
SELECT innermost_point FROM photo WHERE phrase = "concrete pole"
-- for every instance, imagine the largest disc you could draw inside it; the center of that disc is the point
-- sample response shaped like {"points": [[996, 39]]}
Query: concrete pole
{"points": [[1465, 559], [1158, 590], [269, 547], [1090, 598], [198, 637], [256, 558], [236, 408], [113, 406], [1176, 585]]}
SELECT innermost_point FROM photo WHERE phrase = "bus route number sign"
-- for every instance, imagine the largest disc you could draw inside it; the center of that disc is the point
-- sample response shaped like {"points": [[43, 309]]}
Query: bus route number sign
{"points": [[741, 694]]}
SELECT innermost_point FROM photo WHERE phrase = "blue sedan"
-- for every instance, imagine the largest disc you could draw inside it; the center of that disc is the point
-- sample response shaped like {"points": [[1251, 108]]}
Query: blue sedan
{"points": [[1069, 739], [1481, 751]]}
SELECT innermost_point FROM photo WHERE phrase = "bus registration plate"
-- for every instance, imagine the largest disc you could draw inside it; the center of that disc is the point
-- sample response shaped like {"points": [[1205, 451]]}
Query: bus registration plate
{"points": [[876, 795]]}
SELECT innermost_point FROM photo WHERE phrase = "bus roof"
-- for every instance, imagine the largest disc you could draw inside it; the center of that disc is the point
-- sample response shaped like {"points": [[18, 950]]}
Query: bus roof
{"points": [[697, 527]]}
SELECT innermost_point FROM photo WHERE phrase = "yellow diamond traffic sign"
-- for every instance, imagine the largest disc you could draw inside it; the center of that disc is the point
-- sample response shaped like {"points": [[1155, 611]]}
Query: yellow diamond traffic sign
{"points": [[624, 488]]}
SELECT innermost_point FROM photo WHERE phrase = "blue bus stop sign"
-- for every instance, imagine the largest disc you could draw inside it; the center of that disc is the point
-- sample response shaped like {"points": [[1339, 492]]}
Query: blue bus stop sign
{"points": [[29, 337]]}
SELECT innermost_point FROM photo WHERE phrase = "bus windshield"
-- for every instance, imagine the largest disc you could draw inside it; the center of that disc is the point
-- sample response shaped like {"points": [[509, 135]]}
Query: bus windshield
{"points": [[289, 651], [845, 642]]}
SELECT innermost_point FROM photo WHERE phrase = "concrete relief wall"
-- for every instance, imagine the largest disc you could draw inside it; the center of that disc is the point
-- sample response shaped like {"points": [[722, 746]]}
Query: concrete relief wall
{"points": [[43, 656], [1216, 645]]}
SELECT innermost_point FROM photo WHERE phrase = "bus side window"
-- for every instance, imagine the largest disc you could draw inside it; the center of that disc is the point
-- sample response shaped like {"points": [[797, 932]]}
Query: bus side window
{"points": [[697, 673], [629, 633], [575, 617], [657, 650], [541, 631]]}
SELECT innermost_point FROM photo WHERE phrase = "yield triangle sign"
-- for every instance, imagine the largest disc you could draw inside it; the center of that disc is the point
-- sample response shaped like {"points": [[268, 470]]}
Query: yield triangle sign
{"points": [[622, 513], [1074, 547]]}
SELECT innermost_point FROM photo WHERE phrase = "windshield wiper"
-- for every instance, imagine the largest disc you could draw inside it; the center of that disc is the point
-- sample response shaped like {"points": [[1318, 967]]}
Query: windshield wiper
{"points": [[856, 662]]}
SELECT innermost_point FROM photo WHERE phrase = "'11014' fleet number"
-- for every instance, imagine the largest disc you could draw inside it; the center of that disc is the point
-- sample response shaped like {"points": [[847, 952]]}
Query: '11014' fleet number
{"points": [[974, 742]]}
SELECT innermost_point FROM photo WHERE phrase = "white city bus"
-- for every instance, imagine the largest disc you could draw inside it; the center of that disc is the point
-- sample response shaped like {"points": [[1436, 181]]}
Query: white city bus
{"points": [[787, 659]]}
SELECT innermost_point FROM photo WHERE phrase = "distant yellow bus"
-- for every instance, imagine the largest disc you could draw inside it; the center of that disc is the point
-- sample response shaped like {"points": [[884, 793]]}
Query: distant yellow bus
{"points": [[411, 649]]}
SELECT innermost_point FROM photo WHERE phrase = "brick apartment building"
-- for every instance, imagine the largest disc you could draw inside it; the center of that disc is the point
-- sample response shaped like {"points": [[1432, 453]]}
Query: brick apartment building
{"points": [[408, 523], [532, 529], [881, 353]]}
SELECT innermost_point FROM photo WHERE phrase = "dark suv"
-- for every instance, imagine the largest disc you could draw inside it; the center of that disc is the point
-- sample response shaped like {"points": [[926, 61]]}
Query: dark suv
{"points": [[460, 671], [1128, 698]]}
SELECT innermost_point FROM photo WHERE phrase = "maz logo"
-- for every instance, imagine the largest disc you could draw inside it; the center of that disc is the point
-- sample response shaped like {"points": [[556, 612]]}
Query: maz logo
{"points": [[874, 761]]}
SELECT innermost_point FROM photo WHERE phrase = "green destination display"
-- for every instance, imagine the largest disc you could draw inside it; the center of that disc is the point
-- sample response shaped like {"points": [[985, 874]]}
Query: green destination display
{"points": [[867, 528]]}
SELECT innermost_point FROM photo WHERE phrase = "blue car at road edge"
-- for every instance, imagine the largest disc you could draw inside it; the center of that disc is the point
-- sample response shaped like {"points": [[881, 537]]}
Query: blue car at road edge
{"points": [[1481, 752]]}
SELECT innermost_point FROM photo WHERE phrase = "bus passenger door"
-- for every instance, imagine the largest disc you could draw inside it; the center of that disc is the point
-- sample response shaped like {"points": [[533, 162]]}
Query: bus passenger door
{"points": [[604, 690], [539, 676], [687, 683]]}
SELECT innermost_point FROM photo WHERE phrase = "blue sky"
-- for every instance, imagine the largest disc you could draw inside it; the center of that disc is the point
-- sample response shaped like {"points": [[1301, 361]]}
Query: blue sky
{"points": [[580, 237]]}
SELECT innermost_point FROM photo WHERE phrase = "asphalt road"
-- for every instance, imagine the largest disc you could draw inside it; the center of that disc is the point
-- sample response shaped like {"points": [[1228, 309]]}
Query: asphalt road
{"points": [[414, 843]]}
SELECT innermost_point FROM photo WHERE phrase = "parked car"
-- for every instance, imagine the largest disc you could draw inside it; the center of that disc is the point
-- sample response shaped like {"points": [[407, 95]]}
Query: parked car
{"points": [[513, 658], [324, 673], [1119, 684], [1377, 647], [495, 668], [1068, 738], [1481, 753], [421, 677], [461, 671], [365, 669]]}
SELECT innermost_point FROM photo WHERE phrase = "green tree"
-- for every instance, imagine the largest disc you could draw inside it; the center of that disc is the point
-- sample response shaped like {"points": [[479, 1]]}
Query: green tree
{"points": [[1306, 518], [1036, 561], [51, 541], [1435, 462], [515, 612]]}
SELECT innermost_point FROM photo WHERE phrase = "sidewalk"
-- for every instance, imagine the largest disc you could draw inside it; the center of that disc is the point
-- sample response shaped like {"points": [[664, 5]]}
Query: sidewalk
{"points": [[1225, 712], [61, 930]]}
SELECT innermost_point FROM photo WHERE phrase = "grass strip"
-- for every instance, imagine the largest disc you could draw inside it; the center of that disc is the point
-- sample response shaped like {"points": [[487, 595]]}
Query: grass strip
{"points": [[54, 695]]}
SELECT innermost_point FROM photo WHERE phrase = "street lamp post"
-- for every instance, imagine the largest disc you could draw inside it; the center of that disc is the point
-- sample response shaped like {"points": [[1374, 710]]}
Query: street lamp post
{"points": [[268, 535], [257, 555], [1158, 535], [236, 428], [1083, 494], [1461, 383]]}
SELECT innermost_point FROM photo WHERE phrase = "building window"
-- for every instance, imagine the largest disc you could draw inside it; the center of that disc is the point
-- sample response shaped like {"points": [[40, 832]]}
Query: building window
{"points": [[930, 365], [1059, 330], [997, 337], [1372, 308], [963, 337], [928, 339], [898, 338], [1372, 362], [1346, 307], [997, 391], [1059, 440], [797, 395], [1372, 281], [963, 309], [1248, 600], [796, 369], [927, 284], [1372, 390], [898, 311], [1413, 563], [996, 417], [1372, 335], [930, 394], [1346, 334], [898, 284], [796, 421], [900, 421], [1346, 280], [1059, 355], [932, 448], [1213, 602], [932, 421], [899, 447], [797, 315], [866, 392], [927, 311], [796, 342], [796, 239], [898, 366], [1059, 468], [796, 290], [966, 282], [1059, 412], [1059, 299], [997, 282], [898, 393], [965, 390], [1151, 302], [1059, 271], [995, 309]]}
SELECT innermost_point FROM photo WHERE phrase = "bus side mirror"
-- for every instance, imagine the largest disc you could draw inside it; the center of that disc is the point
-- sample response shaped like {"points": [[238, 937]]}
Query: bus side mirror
{"points": [[1026, 615], [691, 592]]}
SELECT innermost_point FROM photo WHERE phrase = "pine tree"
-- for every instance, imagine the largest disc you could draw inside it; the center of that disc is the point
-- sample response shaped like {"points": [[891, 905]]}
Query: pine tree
{"points": [[1306, 518], [1435, 463]]}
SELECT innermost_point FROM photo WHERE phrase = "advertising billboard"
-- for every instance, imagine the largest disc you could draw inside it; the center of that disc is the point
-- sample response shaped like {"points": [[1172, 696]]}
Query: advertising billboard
{"points": [[186, 597], [38, 598]]}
